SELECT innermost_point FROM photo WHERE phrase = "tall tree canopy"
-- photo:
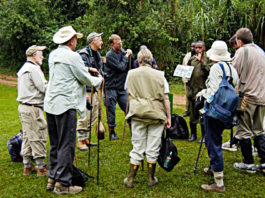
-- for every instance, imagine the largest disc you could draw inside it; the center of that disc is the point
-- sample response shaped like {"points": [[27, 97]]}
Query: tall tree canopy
{"points": [[167, 27]]}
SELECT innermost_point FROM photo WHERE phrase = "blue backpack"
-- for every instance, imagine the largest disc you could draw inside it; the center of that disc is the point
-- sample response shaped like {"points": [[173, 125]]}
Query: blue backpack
{"points": [[14, 147], [224, 104]]}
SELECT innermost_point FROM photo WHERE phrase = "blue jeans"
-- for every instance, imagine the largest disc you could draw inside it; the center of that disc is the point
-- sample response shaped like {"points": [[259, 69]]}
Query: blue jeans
{"points": [[213, 140], [114, 96]]}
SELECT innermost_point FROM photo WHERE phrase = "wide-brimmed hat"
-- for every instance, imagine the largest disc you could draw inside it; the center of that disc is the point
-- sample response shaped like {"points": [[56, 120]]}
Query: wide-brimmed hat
{"points": [[93, 35], [34, 48], [219, 51], [65, 34]]}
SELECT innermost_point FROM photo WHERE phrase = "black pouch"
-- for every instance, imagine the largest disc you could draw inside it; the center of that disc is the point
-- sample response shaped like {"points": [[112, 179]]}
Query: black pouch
{"points": [[168, 156], [242, 103], [79, 177]]}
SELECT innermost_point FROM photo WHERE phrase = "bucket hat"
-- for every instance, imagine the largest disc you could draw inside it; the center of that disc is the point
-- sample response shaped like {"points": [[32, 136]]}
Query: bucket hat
{"points": [[65, 34], [219, 51]]}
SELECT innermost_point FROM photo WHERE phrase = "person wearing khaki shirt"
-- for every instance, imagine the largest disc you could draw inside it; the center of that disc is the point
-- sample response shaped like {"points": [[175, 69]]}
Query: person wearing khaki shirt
{"points": [[31, 89], [251, 121], [149, 111]]}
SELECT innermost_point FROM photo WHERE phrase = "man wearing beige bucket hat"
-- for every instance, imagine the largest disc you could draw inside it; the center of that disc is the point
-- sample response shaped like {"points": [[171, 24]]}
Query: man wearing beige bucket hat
{"points": [[213, 127], [31, 89], [66, 94]]}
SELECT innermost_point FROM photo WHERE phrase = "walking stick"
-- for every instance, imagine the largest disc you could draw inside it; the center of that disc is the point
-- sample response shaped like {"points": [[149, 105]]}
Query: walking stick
{"points": [[100, 129], [195, 168], [90, 125], [127, 105]]}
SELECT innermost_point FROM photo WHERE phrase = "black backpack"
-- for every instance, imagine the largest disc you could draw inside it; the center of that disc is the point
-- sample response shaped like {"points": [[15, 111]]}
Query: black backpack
{"points": [[79, 177], [14, 147], [168, 156], [178, 129]]}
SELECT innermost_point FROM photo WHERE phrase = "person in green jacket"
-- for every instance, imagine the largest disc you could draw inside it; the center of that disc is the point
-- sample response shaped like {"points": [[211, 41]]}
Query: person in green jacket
{"points": [[202, 65]]}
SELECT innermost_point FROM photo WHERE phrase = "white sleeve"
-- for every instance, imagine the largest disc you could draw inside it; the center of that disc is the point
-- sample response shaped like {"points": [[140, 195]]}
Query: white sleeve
{"points": [[166, 86]]}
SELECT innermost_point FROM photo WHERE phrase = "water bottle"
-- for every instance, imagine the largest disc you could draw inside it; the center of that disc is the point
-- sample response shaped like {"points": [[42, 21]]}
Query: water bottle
{"points": [[168, 158]]}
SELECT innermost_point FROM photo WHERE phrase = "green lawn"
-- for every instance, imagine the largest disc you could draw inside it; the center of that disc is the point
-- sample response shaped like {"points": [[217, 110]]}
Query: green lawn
{"points": [[114, 163]]}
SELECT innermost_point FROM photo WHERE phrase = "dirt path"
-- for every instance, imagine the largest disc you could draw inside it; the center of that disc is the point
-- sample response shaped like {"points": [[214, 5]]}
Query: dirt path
{"points": [[8, 80], [178, 100]]}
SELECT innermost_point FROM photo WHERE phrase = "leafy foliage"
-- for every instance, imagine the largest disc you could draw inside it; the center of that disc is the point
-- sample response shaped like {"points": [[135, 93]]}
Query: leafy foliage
{"points": [[166, 27]]}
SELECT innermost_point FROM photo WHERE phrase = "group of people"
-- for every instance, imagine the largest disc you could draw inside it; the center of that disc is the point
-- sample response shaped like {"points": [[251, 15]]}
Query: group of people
{"points": [[76, 78], [246, 70]]}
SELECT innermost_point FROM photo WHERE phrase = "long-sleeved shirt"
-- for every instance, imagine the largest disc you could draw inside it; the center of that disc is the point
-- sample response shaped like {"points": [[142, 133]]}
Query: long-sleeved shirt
{"points": [[31, 84], [68, 77], [254, 88], [215, 77]]}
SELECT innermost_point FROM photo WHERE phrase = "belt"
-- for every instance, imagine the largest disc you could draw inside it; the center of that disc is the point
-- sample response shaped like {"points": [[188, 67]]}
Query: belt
{"points": [[32, 105]]}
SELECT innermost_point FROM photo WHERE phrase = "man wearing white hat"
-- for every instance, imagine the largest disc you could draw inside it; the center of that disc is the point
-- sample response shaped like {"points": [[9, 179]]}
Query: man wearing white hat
{"points": [[66, 94], [213, 127], [93, 60], [31, 89]]}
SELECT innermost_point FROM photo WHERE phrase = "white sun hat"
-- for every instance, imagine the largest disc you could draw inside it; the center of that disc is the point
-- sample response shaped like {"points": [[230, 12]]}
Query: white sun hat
{"points": [[219, 51], [65, 34]]}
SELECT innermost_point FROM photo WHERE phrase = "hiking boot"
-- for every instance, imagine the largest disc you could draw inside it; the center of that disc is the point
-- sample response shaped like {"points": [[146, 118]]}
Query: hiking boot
{"points": [[50, 184], [113, 135], [226, 146], [261, 168], [90, 143], [81, 145], [208, 171], [128, 181], [192, 138], [62, 190], [213, 187], [186, 114], [44, 171], [152, 180], [29, 169], [249, 168]]}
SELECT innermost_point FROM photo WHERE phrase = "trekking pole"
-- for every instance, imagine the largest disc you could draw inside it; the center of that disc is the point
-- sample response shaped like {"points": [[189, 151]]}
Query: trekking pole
{"points": [[90, 125], [98, 131], [195, 168], [127, 105]]}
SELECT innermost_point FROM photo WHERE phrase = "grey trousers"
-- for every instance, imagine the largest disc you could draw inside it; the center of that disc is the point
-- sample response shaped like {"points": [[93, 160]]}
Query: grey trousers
{"points": [[62, 133], [251, 122]]}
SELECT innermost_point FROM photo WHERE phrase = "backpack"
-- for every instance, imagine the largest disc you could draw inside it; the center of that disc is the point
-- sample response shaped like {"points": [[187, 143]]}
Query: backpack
{"points": [[224, 103], [178, 129], [14, 147], [79, 177], [168, 154]]}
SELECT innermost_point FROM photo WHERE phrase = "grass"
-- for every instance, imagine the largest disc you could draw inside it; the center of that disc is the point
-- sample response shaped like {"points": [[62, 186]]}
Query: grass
{"points": [[114, 163]]}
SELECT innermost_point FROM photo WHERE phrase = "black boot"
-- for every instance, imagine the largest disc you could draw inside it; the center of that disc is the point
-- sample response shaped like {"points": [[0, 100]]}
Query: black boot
{"points": [[259, 143], [203, 134], [152, 180], [113, 135], [193, 131], [246, 150], [128, 181]]}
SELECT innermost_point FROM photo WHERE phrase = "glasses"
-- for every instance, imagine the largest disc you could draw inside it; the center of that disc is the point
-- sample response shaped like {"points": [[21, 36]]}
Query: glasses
{"points": [[118, 43]]}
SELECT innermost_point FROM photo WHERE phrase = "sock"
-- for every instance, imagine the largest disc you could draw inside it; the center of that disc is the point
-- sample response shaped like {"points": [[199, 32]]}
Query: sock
{"points": [[26, 161], [218, 178], [40, 162]]}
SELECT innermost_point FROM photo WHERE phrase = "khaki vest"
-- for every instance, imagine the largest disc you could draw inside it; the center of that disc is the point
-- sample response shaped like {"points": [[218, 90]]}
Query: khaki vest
{"points": [[145, 87]]}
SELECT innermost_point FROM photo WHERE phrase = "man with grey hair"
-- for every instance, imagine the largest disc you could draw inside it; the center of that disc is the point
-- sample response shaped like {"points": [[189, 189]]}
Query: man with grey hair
{"points": [[31, 89], [149, 112], [93, 60]]}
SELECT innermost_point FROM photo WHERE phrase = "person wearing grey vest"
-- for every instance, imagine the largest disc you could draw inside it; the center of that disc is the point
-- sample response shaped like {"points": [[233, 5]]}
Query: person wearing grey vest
{"points": [[148, 91]]}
